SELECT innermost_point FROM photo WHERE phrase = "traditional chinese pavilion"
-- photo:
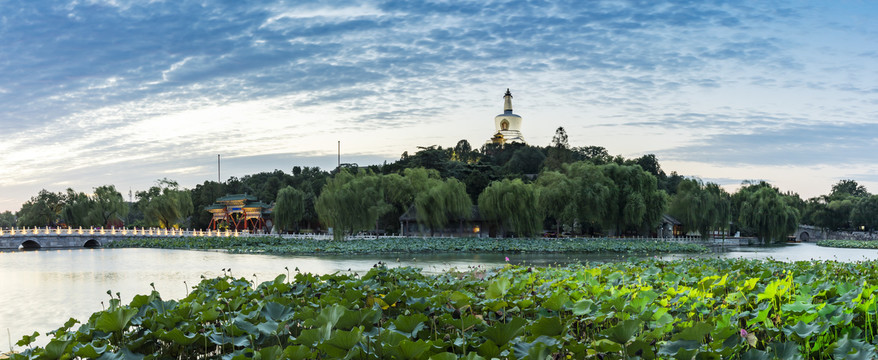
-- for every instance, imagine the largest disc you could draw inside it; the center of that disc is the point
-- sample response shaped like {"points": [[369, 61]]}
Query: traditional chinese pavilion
{"points": [[240, 212]]}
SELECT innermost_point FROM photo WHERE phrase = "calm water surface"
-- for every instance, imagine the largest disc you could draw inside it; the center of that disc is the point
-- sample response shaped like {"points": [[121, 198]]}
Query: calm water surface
{"points": [[40, 290]]}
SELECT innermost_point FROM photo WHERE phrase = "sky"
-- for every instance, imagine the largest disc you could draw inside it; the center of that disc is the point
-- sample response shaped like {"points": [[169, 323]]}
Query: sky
{"points": [[97, 92]]}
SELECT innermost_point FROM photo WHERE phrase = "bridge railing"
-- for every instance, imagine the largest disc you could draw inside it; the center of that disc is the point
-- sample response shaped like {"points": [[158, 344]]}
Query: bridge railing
{"points": [[100, 231]]}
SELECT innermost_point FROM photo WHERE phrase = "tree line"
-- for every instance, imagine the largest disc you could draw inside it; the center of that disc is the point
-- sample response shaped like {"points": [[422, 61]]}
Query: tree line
{"points": [[519, 189]]}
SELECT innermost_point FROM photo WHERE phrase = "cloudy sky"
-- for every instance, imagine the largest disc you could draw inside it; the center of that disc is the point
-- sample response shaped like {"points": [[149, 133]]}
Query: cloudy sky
{"points": [[123, 92]]}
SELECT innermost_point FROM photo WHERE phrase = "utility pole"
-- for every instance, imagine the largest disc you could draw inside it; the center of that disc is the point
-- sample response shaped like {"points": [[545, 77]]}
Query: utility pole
{"points": [[218, 168], [339, 155]]}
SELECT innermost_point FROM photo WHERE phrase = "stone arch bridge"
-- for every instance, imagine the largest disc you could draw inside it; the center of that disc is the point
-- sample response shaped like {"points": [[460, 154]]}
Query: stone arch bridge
{"points": [[40, 238], [807, 233]]}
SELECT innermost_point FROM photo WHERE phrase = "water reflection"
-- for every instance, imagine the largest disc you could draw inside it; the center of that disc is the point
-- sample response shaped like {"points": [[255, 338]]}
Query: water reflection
{"points": [[40, 290]]}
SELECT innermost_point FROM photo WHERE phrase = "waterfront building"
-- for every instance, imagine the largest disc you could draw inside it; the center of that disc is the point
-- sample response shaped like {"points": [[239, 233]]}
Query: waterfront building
{"points": [[239, 212]]}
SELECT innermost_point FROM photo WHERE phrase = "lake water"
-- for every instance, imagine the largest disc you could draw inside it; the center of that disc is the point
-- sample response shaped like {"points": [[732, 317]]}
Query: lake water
{"points": [[40, 290]]}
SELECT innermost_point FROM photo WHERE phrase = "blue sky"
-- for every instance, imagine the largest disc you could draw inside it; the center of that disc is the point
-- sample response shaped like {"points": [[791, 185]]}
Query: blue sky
{"points": [[128, 92]]}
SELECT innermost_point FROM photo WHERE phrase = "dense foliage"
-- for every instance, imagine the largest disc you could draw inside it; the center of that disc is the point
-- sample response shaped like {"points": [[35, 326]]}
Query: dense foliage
{"points": [[289, 209], [605, 195], [853, 244], [701, 207], [282, 246], [690, 309]]}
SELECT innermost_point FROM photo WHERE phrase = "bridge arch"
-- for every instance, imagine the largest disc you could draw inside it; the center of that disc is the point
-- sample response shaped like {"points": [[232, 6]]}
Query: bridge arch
{"points": [[91, 243], [803, 236], [29, 245]]}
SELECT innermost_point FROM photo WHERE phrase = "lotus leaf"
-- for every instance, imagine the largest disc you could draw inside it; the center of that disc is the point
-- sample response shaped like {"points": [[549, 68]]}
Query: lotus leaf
{"points": [[786, 351], [410, 325], [501, 333], [846, 348], [497, 288], [623, 332]]}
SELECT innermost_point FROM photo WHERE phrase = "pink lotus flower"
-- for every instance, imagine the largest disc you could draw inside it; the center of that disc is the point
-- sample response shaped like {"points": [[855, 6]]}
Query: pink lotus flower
{"points": [[507, 259], [743, 333]]}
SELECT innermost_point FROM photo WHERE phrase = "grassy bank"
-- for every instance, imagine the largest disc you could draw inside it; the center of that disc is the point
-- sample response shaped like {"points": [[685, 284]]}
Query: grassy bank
{"points": [[716, 308], [853, 244], [281, 246]]}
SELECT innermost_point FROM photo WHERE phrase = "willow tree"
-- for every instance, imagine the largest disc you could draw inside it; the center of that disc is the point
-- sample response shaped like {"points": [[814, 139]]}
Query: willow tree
{"points": [[351, 203], [108, 204], [513, 205], [865, 213], [165, 205], [634, 201], [554, 194], [77, 206], [765, 210], [701, 207], [289, 208], [441, 203], [591, 192]]}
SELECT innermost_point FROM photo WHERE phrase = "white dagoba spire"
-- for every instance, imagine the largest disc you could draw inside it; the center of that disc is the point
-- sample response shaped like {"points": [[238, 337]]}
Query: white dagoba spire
{"points": [[507, 102], [507, 124]]}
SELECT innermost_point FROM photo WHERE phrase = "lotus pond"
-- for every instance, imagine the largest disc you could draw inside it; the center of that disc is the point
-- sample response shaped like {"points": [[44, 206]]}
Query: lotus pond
{"points": [[284, 246], [850, 244], [697, 308]]}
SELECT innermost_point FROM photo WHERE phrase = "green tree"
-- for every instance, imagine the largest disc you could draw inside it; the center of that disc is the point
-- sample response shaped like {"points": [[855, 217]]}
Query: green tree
{"points": [[865, 213], [107, 205], [847, 188], [513, 205], [525, 160], [351, 203], [701, 207], [289, 209], [44, 209], [7, 219], [558, 152], [204, 195], [165, 205], [635, 203], [443, 202], [77, 206], [554, 194], [765, 210], [590, 194]]}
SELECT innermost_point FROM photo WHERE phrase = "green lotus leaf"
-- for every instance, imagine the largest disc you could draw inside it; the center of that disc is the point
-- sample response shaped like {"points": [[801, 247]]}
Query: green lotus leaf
{"points": [[557, 301], [696, 332], [538, 349], [269, 327], [472, 356], [497, 288], [623, 332], [123, 354], [849, 349], [277, 312], [299, 352], [802, 329], [444, 356], [220, 339], [489, 349], [340, 342], [407, 349], [330, 315], [756, 354], [177, 336], [115, 320], [88, 350], [675, 348], [410, 325], [584, 307], [786, 351], [549, 326], [501, 333]]}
